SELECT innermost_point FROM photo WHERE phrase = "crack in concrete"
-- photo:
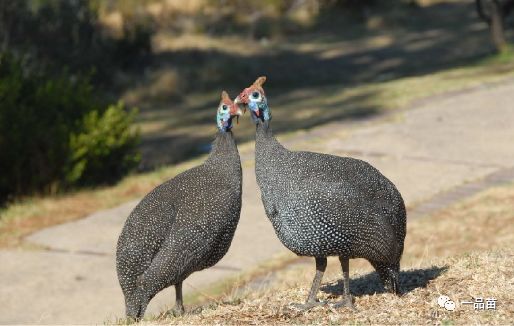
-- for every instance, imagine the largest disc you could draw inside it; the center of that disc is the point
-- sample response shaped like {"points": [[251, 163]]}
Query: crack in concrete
{"points": [[463, 191]]}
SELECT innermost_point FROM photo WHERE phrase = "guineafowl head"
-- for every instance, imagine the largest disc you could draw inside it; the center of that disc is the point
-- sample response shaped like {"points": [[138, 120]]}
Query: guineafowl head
{"points": [[253, 97], [227, 110]]}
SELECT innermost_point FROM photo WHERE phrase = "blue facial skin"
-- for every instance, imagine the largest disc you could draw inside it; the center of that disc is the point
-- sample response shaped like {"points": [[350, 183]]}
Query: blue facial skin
{"points": [[260, 106], [224, 120]]}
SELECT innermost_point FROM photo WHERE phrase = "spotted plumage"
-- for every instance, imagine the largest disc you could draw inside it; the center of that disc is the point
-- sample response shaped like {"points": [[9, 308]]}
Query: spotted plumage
{"points": [[184, 225], [323, 205]]}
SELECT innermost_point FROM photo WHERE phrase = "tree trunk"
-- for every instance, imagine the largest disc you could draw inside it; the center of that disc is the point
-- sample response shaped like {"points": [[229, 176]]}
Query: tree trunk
{"points": [[496, 26], [481, 12], [508, 6]]}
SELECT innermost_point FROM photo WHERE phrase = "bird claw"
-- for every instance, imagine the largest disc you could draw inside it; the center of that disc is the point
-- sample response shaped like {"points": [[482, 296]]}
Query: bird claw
{"points": [[347, 302], [176, 312], [306, 306], [131, 320]]}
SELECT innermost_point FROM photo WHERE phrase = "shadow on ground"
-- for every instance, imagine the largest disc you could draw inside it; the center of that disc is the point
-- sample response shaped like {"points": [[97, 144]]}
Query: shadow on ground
{"points": [[303, 71], [370, 283], [424, 40]]}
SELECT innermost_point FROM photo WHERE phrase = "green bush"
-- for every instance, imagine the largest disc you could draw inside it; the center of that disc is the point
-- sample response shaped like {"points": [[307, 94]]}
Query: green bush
{"points": [[104, 149], [55, 134]]}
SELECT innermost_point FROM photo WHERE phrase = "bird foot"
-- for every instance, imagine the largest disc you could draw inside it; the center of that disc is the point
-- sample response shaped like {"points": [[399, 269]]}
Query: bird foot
{"points": [[176, 312], [347, 302], [306, 306], [392, 289], [131, 320]]}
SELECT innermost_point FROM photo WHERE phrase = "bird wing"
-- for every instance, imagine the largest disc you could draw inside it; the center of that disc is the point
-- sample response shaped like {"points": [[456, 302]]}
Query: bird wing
{"points": [[176, 260], [323, 197], [331, 168]]}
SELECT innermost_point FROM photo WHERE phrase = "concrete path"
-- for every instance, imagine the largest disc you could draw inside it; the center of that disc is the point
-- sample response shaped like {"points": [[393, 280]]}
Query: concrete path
{"points": [[446, 144]]}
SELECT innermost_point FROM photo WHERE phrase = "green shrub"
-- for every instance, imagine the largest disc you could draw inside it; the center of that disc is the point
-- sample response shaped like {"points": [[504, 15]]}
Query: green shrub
{"points": [[55, 134], [104, 150]]}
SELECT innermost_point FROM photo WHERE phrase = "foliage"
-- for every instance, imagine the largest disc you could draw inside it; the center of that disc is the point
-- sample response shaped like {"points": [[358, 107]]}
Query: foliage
{"points": [[104, 149], [55, 134]]}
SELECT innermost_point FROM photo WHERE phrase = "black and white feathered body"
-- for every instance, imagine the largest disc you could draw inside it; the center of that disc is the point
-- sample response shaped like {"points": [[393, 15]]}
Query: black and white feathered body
{"points": [[182, 226], [323, 205]]}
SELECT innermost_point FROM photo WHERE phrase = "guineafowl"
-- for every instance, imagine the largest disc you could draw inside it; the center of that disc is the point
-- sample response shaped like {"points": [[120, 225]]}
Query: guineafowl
{"points": [[184, 225], [323, 205]]}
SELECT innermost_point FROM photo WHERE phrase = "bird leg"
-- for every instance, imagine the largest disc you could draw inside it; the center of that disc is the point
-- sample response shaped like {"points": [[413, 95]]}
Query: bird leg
{"points": [[321, 265], [347, 297], [392, 283], [178, 310]]}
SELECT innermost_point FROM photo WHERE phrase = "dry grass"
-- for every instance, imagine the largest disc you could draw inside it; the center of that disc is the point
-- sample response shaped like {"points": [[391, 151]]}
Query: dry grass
{"points": [[475, 275], [485, 222], [464, 252]]}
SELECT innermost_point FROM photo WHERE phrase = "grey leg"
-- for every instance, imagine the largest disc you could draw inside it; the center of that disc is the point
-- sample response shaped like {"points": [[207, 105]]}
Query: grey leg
{"points": [[347, 300], [178, 310], [321, 265], [394, 276], [179, 304]]}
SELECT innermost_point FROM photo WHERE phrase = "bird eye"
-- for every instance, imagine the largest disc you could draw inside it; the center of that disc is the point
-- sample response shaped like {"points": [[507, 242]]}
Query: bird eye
{"points": [[224, 107], [255, 95]]}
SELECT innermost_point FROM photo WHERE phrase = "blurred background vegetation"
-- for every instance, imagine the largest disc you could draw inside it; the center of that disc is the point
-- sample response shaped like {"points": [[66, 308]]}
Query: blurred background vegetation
{"points": [[68, 66], [57, 128]]}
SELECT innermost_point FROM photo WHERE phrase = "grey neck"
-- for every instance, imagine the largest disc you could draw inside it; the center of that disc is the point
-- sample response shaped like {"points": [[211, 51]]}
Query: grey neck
{"points": [[264, 139], [224, 151]]}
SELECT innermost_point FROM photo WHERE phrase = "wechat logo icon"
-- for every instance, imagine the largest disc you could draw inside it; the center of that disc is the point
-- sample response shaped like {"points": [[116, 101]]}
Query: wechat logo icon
{"points": [[445, 302]]}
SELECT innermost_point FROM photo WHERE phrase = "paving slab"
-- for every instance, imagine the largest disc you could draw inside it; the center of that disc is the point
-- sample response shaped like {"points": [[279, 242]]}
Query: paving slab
{"points": [[60, 288], [98, 233], [440, 146], [471, 128]]}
